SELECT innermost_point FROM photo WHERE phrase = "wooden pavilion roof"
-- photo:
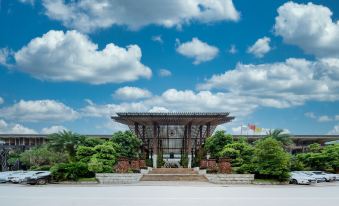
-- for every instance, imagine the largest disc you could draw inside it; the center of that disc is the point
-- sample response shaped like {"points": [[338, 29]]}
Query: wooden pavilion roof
{"points": [[173, 118]]}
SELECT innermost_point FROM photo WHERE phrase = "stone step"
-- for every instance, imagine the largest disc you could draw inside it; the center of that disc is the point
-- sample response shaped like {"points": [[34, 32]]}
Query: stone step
{"points": [[173, 171], [173, 177]]}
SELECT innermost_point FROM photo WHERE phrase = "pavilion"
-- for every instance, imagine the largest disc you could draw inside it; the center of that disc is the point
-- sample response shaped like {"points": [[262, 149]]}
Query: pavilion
{"points": [[172, 134]]}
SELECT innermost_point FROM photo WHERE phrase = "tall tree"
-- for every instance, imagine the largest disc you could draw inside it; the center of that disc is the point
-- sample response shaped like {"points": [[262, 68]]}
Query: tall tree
{"points": [[281, 136], [65, 141]]}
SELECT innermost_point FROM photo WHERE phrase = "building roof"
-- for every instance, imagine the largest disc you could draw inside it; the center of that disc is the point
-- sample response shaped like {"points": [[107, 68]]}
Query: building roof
{"points": [[176, 118]]}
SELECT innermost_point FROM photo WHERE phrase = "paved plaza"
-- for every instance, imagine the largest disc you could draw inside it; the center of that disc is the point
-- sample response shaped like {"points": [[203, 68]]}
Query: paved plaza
{"points": [[170, 193]]}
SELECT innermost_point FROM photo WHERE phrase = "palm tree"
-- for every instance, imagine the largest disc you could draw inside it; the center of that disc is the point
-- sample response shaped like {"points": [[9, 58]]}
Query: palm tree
{"points": [[281, 136], [65, 141]]}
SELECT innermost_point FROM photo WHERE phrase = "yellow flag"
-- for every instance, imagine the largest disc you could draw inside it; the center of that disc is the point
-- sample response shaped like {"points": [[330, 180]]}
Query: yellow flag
{"points": [[258, 129]]}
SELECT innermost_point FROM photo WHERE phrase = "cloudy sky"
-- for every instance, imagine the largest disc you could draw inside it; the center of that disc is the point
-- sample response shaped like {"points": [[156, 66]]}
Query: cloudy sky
{"points": [[67, 64]]}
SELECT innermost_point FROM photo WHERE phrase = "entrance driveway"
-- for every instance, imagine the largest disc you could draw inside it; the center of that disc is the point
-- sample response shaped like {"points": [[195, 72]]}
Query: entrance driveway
{"points": [[170, 194]]}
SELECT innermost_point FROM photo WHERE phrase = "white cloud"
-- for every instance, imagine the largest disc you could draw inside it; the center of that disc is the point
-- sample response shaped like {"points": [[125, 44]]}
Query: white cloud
{"points": [[260, 47], [324, 118], [198, 50], [107, 110], [6, 128], [71, 56], [310, 27], [28, 1], [282, 84], [39, 110], [158, 109], [334, 131], [132, 93], [5, 55], [1, 100], [165, 73], [310, 115], [87, 15], [53, 129], [336, 117], [233, 49], [157, 38]]}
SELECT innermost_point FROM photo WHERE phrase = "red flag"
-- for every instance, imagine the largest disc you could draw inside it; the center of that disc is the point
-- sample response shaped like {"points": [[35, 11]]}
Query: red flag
{"points": [[251, 126]]}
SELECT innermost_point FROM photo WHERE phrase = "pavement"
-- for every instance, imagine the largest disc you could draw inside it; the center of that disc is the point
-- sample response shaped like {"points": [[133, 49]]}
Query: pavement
{"points": [[170, 194]]}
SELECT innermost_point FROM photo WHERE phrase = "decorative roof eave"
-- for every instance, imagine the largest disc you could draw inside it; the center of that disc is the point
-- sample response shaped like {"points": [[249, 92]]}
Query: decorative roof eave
{"points": [[180, 118]]}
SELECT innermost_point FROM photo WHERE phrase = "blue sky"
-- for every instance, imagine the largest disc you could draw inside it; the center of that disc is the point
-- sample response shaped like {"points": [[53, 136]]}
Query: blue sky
{"points": [[72, 64]]}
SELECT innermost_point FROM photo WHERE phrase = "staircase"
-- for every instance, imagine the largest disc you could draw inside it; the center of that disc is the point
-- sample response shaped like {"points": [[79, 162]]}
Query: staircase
{"points": [[173, 174]]}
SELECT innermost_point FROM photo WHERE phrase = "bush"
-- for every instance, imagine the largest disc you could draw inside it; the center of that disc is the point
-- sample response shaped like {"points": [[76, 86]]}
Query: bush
{"points": [[217, 142], [41, 156], [239, 151], [95, 166], [84, 153], [70, 171], [129, 144], [184, 160], [270, 159]]}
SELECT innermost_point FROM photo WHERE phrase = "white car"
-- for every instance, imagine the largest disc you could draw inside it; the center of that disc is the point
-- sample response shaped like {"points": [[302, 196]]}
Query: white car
{"points": [[318, 177], [301, 178], [328, 176], [17, 177], [31, 177], [337, 177], [5, 176]]}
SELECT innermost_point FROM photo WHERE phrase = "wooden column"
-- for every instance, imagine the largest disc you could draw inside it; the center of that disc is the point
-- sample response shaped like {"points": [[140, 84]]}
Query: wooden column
{"points": [[208, 130], [136, 129], [200, 133], [143, 132]]}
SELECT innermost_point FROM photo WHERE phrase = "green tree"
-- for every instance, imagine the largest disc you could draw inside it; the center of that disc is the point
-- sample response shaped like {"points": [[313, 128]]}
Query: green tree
{"points": [[65, 141], [239, 151], [84, 153], [281, 136], [129, 144], [270, 159], [315, 147], [217, 142], [41, 156]]}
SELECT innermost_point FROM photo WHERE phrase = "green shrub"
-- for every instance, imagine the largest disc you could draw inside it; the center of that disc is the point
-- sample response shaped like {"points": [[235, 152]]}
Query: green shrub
{"points": [[217, 142], [184, 160], [42, 156], [270, 159], [70, 171], [84, 153], [129, 144], [95, 166]]}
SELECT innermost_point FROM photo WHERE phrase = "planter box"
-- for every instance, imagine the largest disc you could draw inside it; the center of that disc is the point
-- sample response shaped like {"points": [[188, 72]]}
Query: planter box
{"points": [[230, 178], [118, 178]]}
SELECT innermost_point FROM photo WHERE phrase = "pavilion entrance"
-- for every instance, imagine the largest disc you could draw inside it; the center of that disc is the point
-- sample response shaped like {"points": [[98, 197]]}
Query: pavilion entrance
{"points": [[171, 136]]}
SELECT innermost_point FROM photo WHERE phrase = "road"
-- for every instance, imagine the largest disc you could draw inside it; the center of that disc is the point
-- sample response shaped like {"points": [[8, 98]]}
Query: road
{"points": [[169, 194]]}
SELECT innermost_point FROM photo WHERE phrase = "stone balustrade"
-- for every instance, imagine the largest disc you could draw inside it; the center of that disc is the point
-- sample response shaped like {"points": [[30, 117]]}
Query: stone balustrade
{"points": [[230, 178]]}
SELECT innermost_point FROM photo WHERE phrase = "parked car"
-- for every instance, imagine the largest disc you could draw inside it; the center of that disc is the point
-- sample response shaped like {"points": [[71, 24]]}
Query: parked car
{"points": [[301, 178], [319, 178], [5, 176], [31, 177], [39, 178], [17, 177], [337, 177], [328, 176]]}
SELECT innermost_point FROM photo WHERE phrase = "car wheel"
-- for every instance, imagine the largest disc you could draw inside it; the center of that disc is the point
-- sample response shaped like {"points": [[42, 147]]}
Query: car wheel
{"points": [[41, 181], [294, 181], [327, 180]]}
